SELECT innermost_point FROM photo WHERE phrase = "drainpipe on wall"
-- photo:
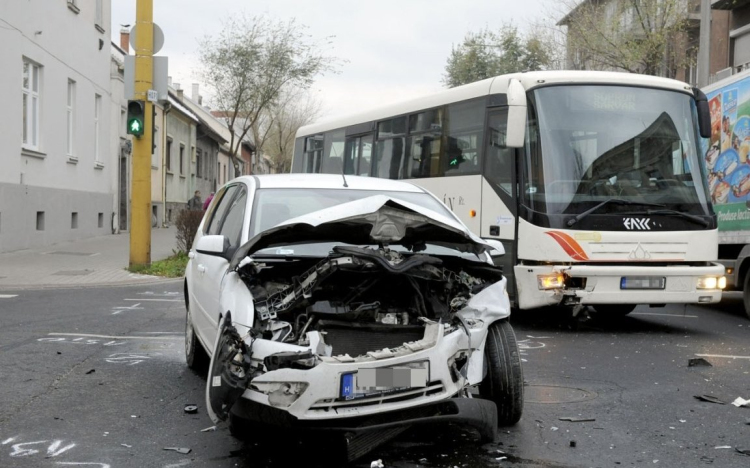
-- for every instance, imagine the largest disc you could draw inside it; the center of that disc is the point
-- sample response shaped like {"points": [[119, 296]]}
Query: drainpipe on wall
{"points": [[165, 111]]}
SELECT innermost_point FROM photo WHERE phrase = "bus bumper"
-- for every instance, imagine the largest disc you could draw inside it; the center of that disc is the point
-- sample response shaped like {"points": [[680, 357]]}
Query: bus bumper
{"points": [[611, 284]]}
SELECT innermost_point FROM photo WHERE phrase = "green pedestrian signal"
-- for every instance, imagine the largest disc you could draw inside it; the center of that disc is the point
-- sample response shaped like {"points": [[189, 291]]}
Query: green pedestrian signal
{"points": [[135, 122]]}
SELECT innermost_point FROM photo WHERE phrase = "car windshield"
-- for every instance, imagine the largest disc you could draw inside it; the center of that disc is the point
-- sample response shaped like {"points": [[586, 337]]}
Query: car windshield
{"points": [[274, 206], [587, 144]]}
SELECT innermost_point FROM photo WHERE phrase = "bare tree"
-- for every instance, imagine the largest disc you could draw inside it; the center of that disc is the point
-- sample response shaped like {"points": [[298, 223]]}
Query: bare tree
{"points": [[248, 64], [638, 36]]}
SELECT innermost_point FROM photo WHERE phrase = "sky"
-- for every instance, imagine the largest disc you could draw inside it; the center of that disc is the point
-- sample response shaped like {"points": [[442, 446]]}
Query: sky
{"points": [[391, 50]]}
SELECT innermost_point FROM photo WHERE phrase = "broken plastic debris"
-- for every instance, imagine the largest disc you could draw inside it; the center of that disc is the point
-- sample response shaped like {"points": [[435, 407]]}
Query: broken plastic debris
{"points": [[553, 428], [501, 458], [377, 464], [181, 450], [741, 402], [422, 460], [744, 451], [191, 409], [710, 399], [699, 362], [91, 371], [126, 445], [723, 447], [209, 429], [573, 443], [574, 419]]}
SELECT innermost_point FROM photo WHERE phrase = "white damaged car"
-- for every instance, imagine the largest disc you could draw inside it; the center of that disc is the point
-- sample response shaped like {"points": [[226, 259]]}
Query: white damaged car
{"points": [[358, 304]]}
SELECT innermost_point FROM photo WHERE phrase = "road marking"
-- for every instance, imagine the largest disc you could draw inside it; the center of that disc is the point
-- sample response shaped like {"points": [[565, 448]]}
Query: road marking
{"points": [[7, 296], [158, 338], [723, 356], [117, 310], [664, 315], [102, 465], [155, 300]]}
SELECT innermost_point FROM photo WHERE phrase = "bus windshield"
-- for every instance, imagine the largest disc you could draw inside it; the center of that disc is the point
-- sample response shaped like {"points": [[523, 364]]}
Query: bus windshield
{"points": [[587, 144]]}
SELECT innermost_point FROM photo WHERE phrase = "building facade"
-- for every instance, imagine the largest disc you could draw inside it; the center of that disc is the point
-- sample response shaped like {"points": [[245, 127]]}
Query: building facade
{"points": [[55, 152]]}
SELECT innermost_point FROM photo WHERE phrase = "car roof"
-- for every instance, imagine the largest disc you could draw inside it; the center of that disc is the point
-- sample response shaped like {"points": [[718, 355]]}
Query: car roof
{"points": [[329, 181]]}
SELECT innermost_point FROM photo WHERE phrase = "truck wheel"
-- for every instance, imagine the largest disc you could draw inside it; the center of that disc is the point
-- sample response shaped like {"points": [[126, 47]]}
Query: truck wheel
{"points": [[503, 383], [746, 293], [619, 310]]}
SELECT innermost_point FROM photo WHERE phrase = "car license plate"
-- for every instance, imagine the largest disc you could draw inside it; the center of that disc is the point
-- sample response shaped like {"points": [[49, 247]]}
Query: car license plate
{"points": [[643, 282], [377, 381]]}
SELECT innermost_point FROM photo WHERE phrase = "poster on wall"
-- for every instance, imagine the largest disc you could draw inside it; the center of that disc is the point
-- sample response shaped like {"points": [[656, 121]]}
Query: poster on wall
{"points": [[726, 155]]}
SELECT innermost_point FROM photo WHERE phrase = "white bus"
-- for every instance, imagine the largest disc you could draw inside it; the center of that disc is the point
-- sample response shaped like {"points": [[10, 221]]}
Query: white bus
{"points": [[591, 180]]}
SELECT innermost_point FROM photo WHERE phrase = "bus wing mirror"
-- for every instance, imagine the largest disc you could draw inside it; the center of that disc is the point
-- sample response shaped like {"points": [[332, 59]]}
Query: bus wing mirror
{"points": [[704, 114], [516, 114]]}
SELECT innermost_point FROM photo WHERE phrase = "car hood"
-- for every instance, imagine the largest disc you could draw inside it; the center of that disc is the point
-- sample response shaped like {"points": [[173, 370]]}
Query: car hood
{"points": [[372, 220]]}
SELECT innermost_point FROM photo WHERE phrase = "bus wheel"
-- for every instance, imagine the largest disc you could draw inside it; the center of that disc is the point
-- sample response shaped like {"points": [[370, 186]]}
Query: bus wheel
{"points": [[746, 293], [619, 310], [503, 383]]}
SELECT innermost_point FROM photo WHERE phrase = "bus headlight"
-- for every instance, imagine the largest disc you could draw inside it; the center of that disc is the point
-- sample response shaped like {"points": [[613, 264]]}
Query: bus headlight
{"points": [[551, 281], [712, 282]]}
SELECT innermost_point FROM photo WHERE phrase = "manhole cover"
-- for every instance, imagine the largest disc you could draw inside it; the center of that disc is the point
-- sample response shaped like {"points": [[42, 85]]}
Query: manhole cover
{"points": [[79, 254], [552, 394], [73, 273]]}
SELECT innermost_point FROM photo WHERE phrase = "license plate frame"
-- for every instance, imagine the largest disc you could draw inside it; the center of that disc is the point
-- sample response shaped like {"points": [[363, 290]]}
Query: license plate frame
{"points": [[643, 283], [378, 381]]}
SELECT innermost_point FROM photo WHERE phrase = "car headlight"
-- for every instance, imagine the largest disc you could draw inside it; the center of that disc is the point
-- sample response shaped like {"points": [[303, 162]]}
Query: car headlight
{"points": [[551, 281], [281, 394], [712, 282]]}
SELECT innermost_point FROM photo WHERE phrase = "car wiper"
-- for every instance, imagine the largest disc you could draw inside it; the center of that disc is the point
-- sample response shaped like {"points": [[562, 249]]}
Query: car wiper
{"points": [[694, 218], [618, 201]]}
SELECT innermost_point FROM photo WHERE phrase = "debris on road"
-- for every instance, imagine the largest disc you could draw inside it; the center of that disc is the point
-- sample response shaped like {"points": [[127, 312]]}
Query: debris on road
{"points": [[126, 445], [574, 419], [699, 362], [553, 428], [744, 451], [710, 399], [91, 371], [377, 464], [573, 443], [209, 429], [191, 409], [723, 447], [181, 450], [739, 402]]}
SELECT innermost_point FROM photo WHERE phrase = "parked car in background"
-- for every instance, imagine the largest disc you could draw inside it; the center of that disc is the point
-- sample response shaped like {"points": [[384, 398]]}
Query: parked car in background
{"points": [[358, 304]]}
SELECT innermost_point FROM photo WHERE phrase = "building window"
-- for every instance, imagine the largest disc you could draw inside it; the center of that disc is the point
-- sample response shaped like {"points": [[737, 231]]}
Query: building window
{"points": [[40, 220], [97, 115], [198, 162], [99, 14], [168, 156], [71, 116], [74, 220], [100, 220], [31, 96], [182, 159]]}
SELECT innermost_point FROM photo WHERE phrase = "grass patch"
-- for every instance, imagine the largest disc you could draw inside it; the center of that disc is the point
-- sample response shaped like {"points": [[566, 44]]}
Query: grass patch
{"points": [[170, 267]]}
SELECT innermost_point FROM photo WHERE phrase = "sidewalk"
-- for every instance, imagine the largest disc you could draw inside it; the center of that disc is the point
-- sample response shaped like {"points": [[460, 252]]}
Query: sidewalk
{"points": [[93, 261]]}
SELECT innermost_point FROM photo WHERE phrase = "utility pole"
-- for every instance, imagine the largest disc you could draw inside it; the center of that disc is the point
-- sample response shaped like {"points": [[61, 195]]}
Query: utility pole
{"points": [[704, 44], [140, 225]]}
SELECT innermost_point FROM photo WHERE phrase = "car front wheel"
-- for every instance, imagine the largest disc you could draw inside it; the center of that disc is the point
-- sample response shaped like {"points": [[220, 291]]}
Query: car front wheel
{"points": [[503, 383]]}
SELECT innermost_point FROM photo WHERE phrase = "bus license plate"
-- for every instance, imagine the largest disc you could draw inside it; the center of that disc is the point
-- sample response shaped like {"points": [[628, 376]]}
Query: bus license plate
{"points": [[367, 382], [643, 282]]}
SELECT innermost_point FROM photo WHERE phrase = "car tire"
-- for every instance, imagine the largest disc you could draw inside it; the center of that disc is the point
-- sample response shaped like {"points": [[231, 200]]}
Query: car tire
{"points": [[241, 428], [746, 293], [616, 310], [195, 356], [503, 383]]}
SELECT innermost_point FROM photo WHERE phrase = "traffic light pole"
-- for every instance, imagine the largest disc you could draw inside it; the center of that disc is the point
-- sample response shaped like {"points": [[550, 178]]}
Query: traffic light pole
{"points": [[140, 209]]}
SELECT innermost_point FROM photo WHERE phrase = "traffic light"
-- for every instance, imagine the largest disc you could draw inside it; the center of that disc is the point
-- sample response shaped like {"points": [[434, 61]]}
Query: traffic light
{"points": [[136, 119]]}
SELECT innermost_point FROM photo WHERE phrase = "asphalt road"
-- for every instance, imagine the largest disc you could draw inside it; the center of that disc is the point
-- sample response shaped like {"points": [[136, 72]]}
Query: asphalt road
{"points": [[96, 378]]}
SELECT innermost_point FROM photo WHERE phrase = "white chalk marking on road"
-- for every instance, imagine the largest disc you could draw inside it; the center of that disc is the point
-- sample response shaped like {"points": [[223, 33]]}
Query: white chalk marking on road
{"points": [[55, 450], [156, 300], [7, 441], [177, 465], [119, 309], [664, 315], [723, 356], [24, 452], [8, 296], [164, 333], [102, 465], [117, 337], [165, 293]]}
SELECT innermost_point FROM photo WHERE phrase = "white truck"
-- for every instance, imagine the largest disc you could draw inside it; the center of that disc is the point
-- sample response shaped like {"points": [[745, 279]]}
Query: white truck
{"points": [[727, 168]]}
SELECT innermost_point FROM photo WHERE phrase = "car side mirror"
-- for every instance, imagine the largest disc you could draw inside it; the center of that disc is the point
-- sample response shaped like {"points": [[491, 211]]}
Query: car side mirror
{"points": [[704, 114], [516, 115], [217, 246]]}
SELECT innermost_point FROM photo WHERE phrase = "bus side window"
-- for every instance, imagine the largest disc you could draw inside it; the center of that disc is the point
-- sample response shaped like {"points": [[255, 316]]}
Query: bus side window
{"points": [[498, 166]]}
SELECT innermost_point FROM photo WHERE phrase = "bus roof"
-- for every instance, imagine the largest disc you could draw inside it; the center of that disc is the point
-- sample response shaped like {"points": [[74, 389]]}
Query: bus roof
{"points": [[495, 85]]}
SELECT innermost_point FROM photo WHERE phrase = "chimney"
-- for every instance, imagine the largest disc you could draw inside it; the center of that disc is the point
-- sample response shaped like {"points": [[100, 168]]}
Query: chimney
{"points": [[125, 40], [179, 94], [195, 96]]}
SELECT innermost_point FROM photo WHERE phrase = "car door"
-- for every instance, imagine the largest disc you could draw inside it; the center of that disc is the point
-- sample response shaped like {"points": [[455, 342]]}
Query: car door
{"points": [[208, 270]]}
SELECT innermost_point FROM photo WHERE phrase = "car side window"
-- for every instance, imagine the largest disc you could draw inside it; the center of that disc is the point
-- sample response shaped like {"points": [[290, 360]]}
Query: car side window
{"points": [[233, 222], [217, 216]]}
